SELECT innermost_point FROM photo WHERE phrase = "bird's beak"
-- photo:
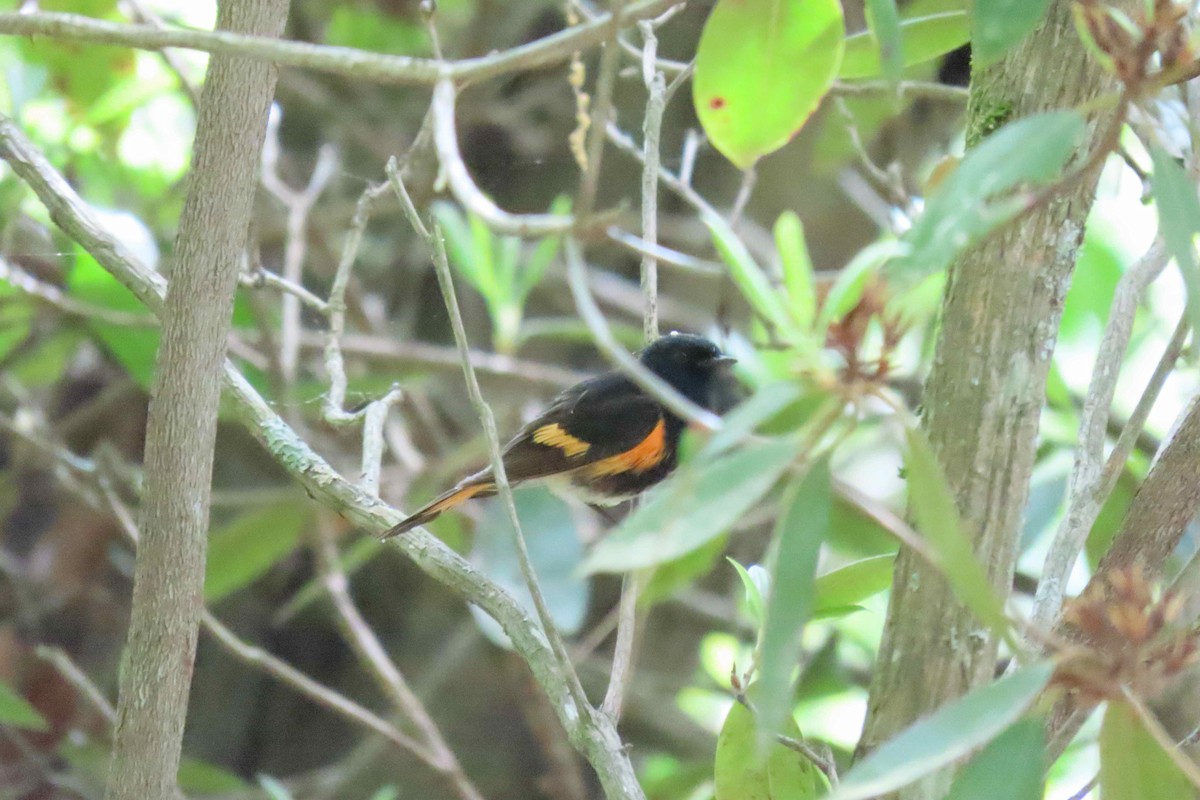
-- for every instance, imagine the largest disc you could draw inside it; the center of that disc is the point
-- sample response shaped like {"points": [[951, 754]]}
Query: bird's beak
{"points": [[722, 360]]}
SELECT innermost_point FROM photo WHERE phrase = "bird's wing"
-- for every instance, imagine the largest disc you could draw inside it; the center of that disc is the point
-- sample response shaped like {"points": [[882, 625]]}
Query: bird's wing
{"points": [[589, 423]]}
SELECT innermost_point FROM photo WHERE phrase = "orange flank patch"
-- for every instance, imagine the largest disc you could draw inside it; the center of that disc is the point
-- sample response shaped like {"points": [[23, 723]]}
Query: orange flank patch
{"points": [[554, 436], [645, 455]]}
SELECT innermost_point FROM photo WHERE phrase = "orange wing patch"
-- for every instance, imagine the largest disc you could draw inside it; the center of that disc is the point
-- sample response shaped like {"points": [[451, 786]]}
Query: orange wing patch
{"points": [[643, 456], [553, 435]]}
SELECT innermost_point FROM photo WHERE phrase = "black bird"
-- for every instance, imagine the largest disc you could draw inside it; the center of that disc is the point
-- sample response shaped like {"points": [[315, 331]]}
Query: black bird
{"points": [[605, 437]]}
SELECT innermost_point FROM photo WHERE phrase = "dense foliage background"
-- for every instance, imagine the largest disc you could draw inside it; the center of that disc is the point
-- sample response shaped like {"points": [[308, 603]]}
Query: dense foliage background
{"points": [[782, 262]]}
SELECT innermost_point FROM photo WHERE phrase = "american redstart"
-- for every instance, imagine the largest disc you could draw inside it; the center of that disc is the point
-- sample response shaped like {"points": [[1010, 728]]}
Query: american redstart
{"points": [[605, 436]]}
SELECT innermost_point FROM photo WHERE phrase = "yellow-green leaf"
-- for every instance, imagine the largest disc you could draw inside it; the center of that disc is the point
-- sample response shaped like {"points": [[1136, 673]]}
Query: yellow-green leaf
{"points": [[1132, 765], [762, 66], [923, 39]]}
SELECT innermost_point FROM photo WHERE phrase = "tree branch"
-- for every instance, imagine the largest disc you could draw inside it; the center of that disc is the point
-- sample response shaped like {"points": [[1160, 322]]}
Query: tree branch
{"points": [[182, 424], [350, 62], [598, 741]]}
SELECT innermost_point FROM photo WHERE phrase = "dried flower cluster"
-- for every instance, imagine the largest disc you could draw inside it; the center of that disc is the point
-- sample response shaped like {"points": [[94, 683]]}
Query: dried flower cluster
{"points": [[1129, 44], [1129, 638], [848, 337]]}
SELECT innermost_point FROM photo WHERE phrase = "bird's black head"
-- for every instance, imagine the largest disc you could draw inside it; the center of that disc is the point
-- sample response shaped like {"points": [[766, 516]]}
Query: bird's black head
{"points": [[691, 364]]}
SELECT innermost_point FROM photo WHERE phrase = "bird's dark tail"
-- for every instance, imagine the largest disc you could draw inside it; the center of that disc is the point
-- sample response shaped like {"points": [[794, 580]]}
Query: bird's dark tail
{"points": [[433, 508]]}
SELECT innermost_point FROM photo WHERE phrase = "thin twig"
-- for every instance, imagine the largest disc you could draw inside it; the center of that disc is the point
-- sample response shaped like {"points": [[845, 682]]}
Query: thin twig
{"points": [[662, 254], [591, 733], [445, 138], [335, 367], [350, 62], [656, 85], [742, 199], [100, 478], [1153, 727], [1085, 495], [61, 661], [147, 16], [319, 693], [372, 654], [51, 295], [1141, 412], [625, 647], [259, 278], [499, 475], [298, 204], [926, 89], [416, 354], [611, 348], [826, 765], [585, 198]]}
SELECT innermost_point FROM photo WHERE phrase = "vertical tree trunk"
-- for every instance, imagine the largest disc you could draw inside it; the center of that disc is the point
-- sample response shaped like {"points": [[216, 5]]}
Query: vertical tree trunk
{"points": [[983, 399], [169, 574]]}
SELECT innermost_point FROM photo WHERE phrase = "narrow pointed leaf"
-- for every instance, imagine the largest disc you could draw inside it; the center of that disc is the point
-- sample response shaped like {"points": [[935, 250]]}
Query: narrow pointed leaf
{"points": [[797, 269], [246, 548], [938, 522], [747, 415], [923, 39], [741, 772], [980, 195], [1011, 767], [696, 505], [15, 710], [798, 536], [1132, 765], [997, 25], [854, 582], [1178, 223], [749, 277], [762, 66], [946, 735], [884, 21]]}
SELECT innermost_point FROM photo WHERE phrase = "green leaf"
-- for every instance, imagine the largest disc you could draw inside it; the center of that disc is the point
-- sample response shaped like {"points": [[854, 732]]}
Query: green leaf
{"points": [[1009, 768], [755, 585], [762, 66], [241, 551], [852, 280], [554, 550], [978, 196], [200, 777], [670, 578], [749, 277], [938, 522], [376, 31], [483, 251], [884, 22], [798, 535], [15, 710], [747, 415], [16, 316], [697, 504], [853, 583], [946, 735], [1132, 765], [460, 249], [741, 773], [997, 25], [133, 348], [797, 268], [924, 39], [1178, 223], [857, 533]]}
